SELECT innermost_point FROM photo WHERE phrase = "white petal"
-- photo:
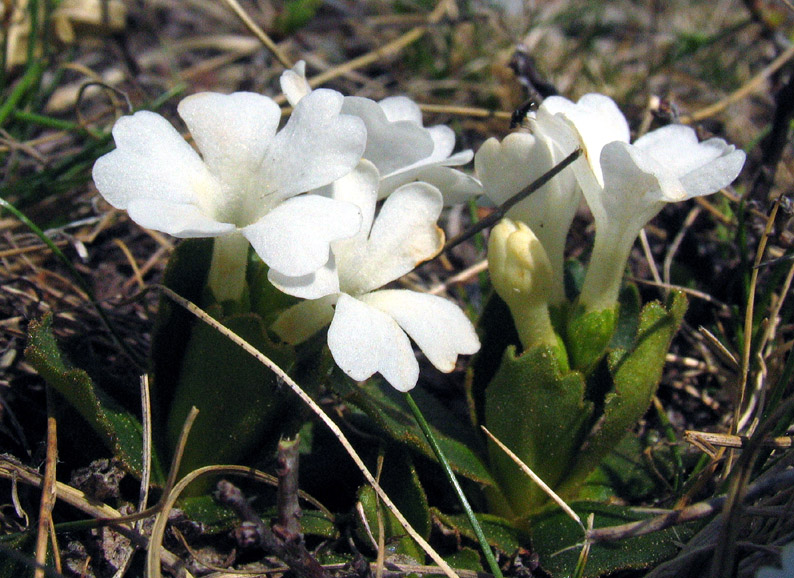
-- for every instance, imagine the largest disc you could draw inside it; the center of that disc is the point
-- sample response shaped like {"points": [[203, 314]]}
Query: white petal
{"points": [[154, 168], [364, 340], [179, 220], [443, 141], [232, 131], [703, 167], [391, 145], [676, 148], [714, 176], [317, 146], [301, 321], [440, 329], [404, 234], [635, 189], [294, 238], [401, 108], [597, 120], [508, 167], [459, 158], [359, 188], [293, 83], [322, 282], [455, 186]]}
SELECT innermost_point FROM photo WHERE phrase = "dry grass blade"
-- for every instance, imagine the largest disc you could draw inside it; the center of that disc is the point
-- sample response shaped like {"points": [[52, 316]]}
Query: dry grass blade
{"points": [[11, 470], [694, 512], [526, 469], [755, 84], [698, 438], [48, 495], [749, 317], [392, 47], [259, 33], [719, 349], [259, 356]]}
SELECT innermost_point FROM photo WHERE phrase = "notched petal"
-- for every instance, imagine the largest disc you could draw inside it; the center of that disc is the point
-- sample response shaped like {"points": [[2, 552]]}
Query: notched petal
{"points": [[364, 341], [158, 176], [295, 237], [317, 146], [403, 235], [439, 327], [391, 145]]}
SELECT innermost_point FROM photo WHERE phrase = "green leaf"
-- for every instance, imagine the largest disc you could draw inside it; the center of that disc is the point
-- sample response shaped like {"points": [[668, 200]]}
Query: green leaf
{"points": [[186, 274], [465, 559], [241, 404], [540, 414], [624, 473], [119, 429], [553, 533], [588, 336], [635, 374], [499, 532], [217, 518], [400, 481], [628, 318], [497, 332], [386, 408], [396, 540]]}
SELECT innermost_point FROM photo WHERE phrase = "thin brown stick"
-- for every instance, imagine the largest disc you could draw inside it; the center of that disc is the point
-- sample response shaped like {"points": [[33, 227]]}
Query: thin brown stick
{"points": [[471, 111], [694, 512], [388, 49], [289, 510], [749, 316], [318, 411], [259, 33], [289, 549], [48, 492], [731, 441], [754, 84]]}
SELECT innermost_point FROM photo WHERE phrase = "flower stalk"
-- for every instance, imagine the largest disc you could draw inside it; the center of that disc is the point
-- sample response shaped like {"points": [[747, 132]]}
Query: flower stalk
{"points": [[226, 278]]}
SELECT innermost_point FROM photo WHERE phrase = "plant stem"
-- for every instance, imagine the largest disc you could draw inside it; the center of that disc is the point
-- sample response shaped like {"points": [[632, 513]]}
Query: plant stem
{"points": [[475, 524]]}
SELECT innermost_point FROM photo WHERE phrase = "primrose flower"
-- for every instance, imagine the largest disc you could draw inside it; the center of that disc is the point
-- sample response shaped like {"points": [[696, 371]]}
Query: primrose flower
{"points": [[626, 185], [398, 144], [369, 326], [246, 186], [508, 167]]}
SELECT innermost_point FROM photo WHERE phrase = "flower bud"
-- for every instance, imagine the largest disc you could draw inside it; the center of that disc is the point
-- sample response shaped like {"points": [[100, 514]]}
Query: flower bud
{"points": [[522, 276]]}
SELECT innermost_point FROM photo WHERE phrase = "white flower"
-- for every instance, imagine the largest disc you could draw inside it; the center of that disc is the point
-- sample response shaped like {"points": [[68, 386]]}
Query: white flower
{"points": [[401, 148], [626, 185], [507, 168], [368, 324], [246, 181]]}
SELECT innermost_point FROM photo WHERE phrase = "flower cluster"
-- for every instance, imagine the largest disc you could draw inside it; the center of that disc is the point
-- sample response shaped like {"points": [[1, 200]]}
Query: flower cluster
{"points": [[304, 197], [625, 185]]}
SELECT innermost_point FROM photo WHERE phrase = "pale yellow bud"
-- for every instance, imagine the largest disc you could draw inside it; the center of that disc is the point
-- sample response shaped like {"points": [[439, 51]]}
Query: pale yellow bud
{"points": [[523, 277]]}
